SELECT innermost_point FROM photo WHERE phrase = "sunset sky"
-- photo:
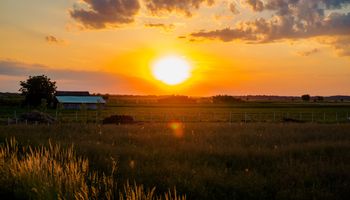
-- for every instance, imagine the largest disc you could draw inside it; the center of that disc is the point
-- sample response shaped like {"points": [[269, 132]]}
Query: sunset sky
{"points": [[237, 47]]}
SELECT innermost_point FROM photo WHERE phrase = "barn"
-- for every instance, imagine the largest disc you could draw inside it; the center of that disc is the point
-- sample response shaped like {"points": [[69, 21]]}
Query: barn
{"points": [[75, 100]]}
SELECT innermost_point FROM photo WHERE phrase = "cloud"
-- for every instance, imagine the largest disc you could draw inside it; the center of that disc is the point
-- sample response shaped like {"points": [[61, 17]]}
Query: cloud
{"points": [[54, 40], [256, 5], [159, 7], [291, 19], [308, 52], [340, 44], [233, 8], [279, 28], [99, 14], [12, 72], [166, 27]]}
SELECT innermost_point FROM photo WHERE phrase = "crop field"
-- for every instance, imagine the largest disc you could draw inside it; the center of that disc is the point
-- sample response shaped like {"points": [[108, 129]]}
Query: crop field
{"points": [[205, 160]]}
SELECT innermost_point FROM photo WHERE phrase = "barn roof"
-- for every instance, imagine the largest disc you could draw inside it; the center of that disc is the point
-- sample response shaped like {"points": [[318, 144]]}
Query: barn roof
{"points": [[80, 99], [72, 93]]}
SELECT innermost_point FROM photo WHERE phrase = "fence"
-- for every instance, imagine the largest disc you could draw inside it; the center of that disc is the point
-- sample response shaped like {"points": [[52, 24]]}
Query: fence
{"points": [[163, 117]]}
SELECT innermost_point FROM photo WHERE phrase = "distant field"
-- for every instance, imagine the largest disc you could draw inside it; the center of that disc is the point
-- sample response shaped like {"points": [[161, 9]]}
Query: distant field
{"points": [[239, 112], [212, 160]]}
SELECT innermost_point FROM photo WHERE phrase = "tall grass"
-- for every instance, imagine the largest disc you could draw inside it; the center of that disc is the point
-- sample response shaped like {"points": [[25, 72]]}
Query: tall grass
{"points": [[58, 173], [210, 161]]}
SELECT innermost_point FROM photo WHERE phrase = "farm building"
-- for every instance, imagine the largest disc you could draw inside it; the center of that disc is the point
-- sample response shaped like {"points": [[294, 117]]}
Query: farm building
{"points": [[76, 100], [72, 93]]}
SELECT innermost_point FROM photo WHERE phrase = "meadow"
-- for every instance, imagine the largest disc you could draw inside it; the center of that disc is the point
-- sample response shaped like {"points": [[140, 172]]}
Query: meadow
{"points": [[320, 112], [209, 160]]}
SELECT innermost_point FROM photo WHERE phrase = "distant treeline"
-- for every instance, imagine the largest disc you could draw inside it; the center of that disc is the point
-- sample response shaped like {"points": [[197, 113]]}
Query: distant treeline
{"points": [[226, 99], [16, 99], [11, 99], [177, 99]]}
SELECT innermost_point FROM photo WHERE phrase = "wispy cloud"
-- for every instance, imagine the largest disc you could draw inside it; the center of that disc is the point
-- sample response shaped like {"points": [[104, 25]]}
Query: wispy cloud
{"points": [[54, 40], [12, 72], [308, 52], [166, 27]]}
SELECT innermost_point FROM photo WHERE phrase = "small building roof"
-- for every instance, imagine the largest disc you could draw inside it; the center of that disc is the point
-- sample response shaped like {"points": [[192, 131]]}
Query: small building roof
{"points": [[72, 93], [80, 99]]}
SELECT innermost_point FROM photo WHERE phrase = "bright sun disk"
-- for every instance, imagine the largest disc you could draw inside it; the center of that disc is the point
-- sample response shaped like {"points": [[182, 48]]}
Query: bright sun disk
{"points": [[171, 70]]}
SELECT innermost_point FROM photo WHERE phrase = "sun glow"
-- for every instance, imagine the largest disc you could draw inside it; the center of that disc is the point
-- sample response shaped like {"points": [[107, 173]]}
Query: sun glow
{"points": [[171, 70]]}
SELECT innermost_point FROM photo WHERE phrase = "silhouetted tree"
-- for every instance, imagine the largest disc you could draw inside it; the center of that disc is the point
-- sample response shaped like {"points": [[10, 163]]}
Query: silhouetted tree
{"points": [[38, 88], [305, 97]]}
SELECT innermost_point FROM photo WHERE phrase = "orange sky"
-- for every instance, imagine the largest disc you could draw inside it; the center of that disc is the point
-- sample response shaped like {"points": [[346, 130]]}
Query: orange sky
{"points": [[237, 47]]}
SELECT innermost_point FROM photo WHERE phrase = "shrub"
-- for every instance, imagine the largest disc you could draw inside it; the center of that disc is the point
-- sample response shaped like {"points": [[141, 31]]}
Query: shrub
{"points": [[36, 116], [118, 119]]}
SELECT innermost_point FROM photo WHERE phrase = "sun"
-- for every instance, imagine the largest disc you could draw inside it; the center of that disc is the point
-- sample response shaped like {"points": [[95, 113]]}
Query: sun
{"points": [[171, 70]]}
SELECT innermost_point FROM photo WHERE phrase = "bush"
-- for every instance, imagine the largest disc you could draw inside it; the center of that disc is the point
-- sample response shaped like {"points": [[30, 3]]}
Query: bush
{"points": [[37, 117], [118, 119]]}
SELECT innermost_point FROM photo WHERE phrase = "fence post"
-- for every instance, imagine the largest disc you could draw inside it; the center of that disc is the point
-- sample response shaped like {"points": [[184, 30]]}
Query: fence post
{"points": [[245, 117], [230, 117], [336, 116], [274, 116], [312, 117], [96, 117], [16, 116]]}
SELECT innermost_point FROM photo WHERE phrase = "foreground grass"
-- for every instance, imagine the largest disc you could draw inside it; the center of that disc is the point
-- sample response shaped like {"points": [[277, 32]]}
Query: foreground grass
{"points": [[57, 173], [212, 160]]}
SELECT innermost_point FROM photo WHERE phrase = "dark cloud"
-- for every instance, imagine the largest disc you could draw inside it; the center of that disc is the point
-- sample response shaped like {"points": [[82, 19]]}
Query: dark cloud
{"points": [[291, 19], [284, 6], [54, 40], [98, 14], [158, 7], [166, 27], [308, 52]]}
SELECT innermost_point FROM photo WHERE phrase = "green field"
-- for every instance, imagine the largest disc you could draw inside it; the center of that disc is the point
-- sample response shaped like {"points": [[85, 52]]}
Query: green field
{"points": [[211, 160]]}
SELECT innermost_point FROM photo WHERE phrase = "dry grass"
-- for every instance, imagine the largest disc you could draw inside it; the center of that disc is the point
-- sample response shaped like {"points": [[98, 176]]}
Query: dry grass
{"points": [[212, 160], [58, 173]]}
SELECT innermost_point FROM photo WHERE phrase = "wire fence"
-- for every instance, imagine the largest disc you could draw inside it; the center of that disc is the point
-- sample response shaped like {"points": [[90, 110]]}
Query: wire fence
{"points": [[164, 117]]}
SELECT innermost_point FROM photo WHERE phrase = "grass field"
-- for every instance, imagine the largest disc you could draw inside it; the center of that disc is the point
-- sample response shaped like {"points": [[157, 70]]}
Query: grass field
{"points": [[326, 112], [211, 160]]}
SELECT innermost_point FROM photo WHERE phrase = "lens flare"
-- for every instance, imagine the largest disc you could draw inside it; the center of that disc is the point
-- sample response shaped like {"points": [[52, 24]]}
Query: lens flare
{"points": [[177, 128]]}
